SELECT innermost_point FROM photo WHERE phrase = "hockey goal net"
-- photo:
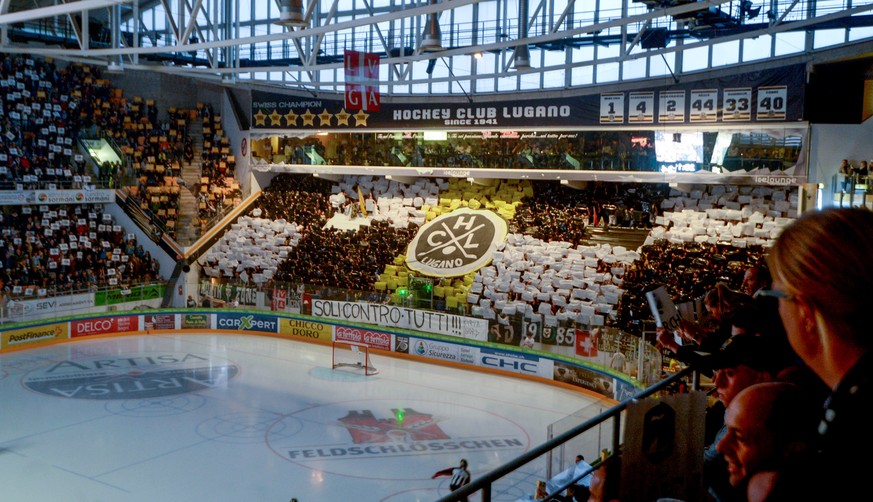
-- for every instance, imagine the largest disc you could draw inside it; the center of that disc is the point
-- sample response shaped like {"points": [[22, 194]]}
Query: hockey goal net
{"points": [[351, 356]]}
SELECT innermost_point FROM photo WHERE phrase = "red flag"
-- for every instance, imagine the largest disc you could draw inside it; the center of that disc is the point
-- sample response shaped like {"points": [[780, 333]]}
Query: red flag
{"points": [[594, 215], [586, 343], [306, 304], [280, 296], [362, 81]]}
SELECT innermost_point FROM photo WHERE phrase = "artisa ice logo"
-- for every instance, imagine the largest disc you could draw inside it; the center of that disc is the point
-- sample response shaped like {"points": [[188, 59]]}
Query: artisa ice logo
{"points": [[131, 377], [456, 243]]}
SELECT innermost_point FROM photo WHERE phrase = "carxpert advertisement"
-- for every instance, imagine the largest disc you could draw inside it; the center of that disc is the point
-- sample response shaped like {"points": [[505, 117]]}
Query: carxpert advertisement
{"points": [[247, 322]]}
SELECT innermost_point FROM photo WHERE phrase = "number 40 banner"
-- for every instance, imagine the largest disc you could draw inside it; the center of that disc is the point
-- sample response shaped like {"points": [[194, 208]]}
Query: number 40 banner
{"points": [[772, 102]]}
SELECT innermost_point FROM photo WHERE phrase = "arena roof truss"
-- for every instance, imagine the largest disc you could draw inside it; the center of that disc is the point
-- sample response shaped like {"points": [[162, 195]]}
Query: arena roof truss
{"points": [[570, 43]]}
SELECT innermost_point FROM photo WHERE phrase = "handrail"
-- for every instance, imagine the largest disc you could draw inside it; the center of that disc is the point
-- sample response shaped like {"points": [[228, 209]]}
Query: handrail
{"points": [[485, 481]]}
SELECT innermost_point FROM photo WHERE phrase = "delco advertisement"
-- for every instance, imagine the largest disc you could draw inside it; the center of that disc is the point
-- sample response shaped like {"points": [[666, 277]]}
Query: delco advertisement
{"points": [[36, 334], [247, 322], [515, 362], [104, 325], [309, 330], [372, 339], [443, 351]]}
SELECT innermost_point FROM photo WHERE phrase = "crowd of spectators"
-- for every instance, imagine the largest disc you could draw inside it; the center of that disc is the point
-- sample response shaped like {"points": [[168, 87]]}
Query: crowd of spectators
{"points": [[58, 249], [320, 255], [597, 150], [217, 188], [42, 108]]}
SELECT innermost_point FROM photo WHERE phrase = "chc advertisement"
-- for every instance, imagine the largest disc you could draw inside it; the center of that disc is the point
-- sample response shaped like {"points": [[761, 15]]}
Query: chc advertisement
{"points": [[514, 362]]}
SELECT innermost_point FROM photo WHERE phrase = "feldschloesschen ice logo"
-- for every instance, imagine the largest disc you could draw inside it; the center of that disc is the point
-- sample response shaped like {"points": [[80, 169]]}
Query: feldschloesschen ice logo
{"points": [[403, 425], [131, 377], [374, 429], [456, 243]]}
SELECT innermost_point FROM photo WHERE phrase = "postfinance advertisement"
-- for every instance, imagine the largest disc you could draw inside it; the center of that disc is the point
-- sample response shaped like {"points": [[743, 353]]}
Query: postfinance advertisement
{"points": [[17, 338]]}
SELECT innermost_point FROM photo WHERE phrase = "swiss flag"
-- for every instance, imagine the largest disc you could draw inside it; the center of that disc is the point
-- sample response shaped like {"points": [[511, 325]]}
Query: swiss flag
{"points": [[586, 343]]}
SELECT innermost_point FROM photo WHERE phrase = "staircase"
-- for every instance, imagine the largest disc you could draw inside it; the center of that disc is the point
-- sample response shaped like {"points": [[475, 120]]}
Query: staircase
{"points": [[188, 223]]}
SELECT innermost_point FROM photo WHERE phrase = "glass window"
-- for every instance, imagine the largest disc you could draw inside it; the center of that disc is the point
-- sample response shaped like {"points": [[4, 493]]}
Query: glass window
{"points": [[726, 53], [634, 69], [790, 43], [860, 33], [756, 48], [658, 67], [695, 59], [827, 38]]}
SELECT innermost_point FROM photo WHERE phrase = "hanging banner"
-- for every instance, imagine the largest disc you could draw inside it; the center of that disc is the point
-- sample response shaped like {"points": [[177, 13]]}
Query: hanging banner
{"points": [[734, 98], [362, 81]]}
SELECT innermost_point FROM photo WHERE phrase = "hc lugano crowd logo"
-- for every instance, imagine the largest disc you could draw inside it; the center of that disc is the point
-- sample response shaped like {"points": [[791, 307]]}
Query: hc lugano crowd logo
{"points": [[456, 243]]}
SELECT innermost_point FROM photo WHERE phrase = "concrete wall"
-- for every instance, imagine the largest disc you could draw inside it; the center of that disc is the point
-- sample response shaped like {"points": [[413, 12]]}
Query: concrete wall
{"points": [[830, 144], [168, 91]]}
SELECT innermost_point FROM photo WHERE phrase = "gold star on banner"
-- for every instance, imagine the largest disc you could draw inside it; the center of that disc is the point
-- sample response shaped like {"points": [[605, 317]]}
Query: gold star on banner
{"points": [[275, 118], [260, 117], [361, 118], [308, 118], [324, 117], [342, 118], [291, 118]]}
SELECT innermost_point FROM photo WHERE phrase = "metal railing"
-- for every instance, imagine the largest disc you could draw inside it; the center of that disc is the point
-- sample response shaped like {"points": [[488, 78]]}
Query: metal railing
{"points": [[484, 484], [21, 307]]}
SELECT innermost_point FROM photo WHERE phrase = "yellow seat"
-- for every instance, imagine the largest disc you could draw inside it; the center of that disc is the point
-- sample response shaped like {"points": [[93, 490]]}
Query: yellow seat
{"points": [[439, 291], [380, 285], [451, 302]]}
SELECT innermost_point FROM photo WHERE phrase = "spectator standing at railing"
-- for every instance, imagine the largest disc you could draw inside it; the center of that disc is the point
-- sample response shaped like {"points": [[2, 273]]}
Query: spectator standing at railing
{"points": [[822, 275], [861, 171], [847, 171]]}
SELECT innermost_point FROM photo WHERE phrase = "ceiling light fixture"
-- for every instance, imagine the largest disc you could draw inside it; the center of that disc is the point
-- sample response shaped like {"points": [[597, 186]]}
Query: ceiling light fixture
{"points": [[291, 13], [431, 39]]}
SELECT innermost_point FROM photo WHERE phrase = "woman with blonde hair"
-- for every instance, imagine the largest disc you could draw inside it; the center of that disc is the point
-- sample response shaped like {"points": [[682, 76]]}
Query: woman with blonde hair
{"points": [[823, 277]]}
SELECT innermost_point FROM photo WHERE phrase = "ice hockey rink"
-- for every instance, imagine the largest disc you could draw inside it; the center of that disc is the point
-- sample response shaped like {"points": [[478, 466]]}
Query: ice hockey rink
{"points": [[252, 418]]}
